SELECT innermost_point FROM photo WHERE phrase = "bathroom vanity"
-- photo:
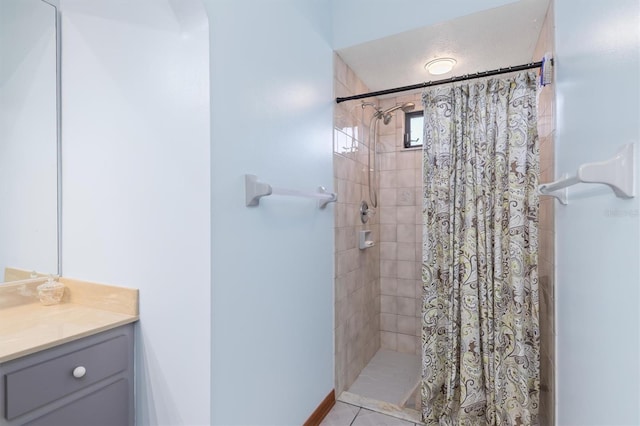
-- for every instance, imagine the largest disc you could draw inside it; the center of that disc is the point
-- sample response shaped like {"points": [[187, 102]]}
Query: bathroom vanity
{"points": [[86, 382], [69, 364]]}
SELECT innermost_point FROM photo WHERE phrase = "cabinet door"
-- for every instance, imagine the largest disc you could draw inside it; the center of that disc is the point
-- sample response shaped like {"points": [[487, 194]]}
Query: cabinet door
{"points": [[108, 406]]}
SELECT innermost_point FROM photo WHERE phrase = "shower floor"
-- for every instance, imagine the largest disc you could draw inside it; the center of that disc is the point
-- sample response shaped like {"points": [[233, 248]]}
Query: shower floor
{"points": [[388, 385]]}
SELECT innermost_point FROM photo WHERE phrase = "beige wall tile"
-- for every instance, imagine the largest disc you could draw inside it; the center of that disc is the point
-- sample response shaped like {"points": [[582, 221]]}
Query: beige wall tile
{"points": [[406, 196], [388, 232], [406, 251], [546, 130], [406, 306], [388, 268], [406, 288], [387, 160], [388, 305], [345, 239], [388, 286], [406, 343], [399, 139], [351, 259], [546, 245], [418, 159], [406, 270], [340, 215], [340, 288], [406, 178], [406, 324], [357, 282], [388, 179], [406, 233], [418, 178], [405, 160], [388, 322], [388, 251], [388, 340], [387, 215], [419, 288], [387, 197], [408, 199], [341, 311], [406, 215], [387, 143]]}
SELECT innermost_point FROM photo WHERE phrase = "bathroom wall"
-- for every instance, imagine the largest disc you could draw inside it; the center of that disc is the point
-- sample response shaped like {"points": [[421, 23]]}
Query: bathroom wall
{"points": [[597, 234], [546, 236], [400, 217], [28, 138], [272, 265], [357, 273], [136, 179]]}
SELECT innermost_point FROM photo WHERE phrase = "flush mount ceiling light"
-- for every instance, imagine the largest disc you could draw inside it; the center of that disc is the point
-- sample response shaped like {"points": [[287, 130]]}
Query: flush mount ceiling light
{"points": [[440, 66]]}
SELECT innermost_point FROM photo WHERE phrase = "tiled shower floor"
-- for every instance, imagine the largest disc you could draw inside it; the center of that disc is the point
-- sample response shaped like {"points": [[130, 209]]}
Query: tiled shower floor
{"points": [[343, 414], [387, 385], [390, 377]]}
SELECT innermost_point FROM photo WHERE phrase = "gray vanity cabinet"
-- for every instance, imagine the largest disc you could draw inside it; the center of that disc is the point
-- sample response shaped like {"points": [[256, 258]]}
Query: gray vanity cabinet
{"points": [[87, 382]]}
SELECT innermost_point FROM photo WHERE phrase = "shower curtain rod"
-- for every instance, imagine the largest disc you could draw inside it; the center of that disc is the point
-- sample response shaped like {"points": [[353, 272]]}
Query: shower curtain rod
{"points": [[445, 81]]}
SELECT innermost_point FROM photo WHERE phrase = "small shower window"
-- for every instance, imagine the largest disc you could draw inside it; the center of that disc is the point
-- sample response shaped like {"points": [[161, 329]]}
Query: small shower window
{"points": [[413, 129]]}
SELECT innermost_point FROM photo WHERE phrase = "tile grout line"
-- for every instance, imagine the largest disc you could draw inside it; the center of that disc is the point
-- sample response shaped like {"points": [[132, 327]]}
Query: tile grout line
{"points": [[356, 416]]}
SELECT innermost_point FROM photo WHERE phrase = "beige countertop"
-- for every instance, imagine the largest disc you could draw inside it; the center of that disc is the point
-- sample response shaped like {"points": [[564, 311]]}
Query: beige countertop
{"points": [[27, 327]]}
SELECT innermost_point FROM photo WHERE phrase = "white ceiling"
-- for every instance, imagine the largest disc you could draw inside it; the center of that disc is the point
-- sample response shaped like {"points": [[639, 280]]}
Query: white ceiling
{"points": [[495, 38]]}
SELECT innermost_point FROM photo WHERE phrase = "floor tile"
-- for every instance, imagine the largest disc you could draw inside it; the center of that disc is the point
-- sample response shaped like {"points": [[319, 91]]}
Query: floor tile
{"points": [[340, 415], [390, 377], [371, 418]]}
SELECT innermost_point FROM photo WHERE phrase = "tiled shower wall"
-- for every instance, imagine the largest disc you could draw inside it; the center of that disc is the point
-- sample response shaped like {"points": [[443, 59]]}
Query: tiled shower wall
{"points": [[546, 131], [357, 285], [400, 221]]}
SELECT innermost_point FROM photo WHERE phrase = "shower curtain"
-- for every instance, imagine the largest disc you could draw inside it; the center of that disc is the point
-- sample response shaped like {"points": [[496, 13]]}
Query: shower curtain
{"points": [[480, 336]]}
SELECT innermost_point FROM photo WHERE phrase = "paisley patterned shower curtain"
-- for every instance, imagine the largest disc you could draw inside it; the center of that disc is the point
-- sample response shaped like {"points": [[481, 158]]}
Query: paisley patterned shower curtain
{"points": [[480, 336]]}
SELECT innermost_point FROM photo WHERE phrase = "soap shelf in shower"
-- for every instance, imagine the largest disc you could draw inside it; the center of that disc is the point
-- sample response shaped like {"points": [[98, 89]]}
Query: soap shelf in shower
{"points": [[618, 173], [255, 190]]}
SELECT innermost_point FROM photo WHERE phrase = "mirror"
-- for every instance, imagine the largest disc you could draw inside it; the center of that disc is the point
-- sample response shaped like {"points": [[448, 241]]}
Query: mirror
{"points": [[29, 139]]}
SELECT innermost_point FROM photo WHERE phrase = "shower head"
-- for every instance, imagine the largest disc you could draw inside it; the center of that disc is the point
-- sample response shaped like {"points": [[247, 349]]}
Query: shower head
{"points": [[408, 106], [405, 107]]}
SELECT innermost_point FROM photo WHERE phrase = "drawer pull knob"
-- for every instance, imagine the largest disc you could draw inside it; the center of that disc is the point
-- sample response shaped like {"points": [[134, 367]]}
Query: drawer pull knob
{"points": [[79, 372]]}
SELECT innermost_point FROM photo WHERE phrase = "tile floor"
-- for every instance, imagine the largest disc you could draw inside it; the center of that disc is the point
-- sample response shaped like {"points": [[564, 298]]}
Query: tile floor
{"points": [[390, 376], [343, 414]]}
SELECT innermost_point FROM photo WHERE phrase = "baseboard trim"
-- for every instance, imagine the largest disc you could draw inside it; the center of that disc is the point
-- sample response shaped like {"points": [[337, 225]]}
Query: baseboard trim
{"points": [[323, 409]]}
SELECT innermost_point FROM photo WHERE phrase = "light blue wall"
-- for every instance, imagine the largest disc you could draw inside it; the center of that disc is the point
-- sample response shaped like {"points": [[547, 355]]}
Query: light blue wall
{"points": [[598, 109], [272, 268], [359, 21], [136, 184]]}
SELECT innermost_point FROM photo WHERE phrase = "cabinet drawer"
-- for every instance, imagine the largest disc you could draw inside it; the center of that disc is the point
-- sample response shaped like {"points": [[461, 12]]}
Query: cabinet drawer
{"points": [[106, 407], [40, 384]]}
